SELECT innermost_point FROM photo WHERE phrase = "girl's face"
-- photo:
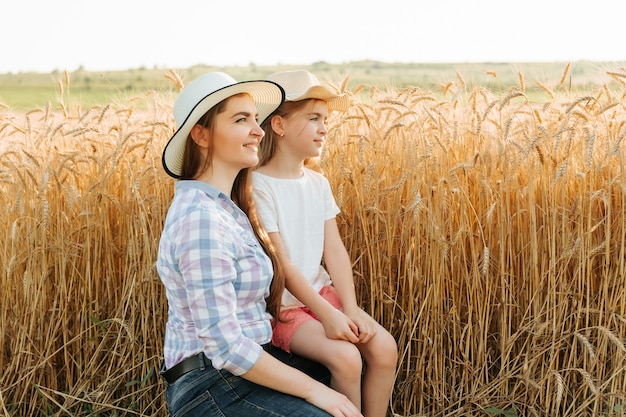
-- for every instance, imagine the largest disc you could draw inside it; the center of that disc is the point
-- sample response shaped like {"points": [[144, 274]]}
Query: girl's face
{"points": [[236, 135], [305, 130]]}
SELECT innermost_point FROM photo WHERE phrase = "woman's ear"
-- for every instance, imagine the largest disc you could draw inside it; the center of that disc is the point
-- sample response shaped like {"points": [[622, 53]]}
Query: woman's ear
{"points": [[200, 135], [278, 125]]}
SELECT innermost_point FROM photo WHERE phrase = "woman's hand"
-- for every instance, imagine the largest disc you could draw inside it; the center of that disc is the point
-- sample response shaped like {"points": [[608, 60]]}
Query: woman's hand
{"points": [[274, 374], [333, 402]]}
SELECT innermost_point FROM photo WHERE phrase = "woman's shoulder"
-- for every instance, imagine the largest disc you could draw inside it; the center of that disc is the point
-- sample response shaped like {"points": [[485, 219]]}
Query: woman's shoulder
{"points": [[199, 200]]}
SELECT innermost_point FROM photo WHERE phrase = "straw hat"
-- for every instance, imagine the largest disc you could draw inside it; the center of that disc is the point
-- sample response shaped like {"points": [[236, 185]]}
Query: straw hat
{"points": [[200, 96], [302, 85]]}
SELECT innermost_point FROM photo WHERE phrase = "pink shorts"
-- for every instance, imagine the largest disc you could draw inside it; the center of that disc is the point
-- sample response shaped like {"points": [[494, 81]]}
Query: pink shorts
{"points": [[294, 317]]}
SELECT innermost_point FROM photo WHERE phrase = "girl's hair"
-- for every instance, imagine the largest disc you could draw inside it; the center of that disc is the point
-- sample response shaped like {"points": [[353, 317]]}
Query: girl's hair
{"points": [[241, 195]]}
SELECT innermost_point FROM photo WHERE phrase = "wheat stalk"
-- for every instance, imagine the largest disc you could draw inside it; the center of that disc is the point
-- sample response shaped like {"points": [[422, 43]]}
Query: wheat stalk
{"points": [[564, 75]]}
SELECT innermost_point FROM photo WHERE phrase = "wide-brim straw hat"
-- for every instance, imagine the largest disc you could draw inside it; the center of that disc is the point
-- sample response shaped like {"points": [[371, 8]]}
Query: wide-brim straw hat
{"points": [[302, 85], [200, 96]]}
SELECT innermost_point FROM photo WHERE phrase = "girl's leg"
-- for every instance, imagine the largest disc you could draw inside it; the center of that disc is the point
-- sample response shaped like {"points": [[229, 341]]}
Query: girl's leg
{"points": [[342, 358], [310, 367], [381, 356]]}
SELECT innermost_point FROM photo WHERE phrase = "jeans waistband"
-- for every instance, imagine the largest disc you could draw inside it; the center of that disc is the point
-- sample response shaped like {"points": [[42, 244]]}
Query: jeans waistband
{"points": [[199, 361]]}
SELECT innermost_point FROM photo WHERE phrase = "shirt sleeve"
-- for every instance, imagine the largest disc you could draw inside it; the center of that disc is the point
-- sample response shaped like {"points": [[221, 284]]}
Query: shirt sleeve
{"points": [[206, 257]]}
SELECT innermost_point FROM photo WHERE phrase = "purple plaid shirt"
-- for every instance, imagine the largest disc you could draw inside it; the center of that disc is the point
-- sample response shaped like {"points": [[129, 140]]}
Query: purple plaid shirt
{"points": [[216, 277]]}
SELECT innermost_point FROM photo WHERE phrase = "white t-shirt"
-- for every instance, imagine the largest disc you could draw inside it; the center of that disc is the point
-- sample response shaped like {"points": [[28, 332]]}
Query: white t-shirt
{"points": [[297, 209]]}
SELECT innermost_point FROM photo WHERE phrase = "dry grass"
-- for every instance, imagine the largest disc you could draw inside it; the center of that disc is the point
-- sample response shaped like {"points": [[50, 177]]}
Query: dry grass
{"points": [[82, 312], [488, 234]]}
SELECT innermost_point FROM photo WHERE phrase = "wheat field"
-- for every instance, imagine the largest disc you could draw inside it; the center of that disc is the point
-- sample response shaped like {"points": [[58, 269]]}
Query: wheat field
{"points": [[488, 234]]}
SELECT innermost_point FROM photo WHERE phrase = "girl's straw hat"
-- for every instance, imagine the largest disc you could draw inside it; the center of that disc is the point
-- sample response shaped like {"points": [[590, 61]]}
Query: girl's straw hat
{"points": [[200, 96], [302, 85]]}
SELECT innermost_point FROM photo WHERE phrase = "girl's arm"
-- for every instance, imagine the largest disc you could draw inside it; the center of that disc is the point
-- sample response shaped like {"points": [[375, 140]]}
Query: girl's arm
{"points": [[274, 374], [339, 268], [336, 324]]}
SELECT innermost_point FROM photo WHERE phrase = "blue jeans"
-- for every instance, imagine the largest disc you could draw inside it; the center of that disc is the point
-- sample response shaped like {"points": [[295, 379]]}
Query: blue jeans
{"points": [[211, 392]]}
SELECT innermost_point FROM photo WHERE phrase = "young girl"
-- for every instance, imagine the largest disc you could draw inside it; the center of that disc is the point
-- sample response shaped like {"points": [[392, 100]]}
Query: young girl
{"points": [[217, 264], [320, 318]]}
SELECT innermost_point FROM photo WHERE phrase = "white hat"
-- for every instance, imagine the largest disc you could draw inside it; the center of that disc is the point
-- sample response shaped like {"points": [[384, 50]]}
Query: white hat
{"points": [[200, 96], [301, 85]]}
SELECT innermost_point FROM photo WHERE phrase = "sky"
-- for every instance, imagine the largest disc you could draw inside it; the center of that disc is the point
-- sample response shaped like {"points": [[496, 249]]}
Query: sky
{"points": [[49, 35]]}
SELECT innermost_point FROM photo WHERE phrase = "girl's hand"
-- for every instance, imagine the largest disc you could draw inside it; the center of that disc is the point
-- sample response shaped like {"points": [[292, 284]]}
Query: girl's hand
{"points": [[365, 323], [338, 326]]}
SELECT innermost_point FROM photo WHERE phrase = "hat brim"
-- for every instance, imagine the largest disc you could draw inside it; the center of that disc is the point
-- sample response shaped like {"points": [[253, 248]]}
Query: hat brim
{"points": [[339, 102], [267, 96]]}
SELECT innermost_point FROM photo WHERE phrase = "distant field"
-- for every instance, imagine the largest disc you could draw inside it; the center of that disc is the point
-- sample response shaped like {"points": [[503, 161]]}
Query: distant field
{"points": [[27, 91]]}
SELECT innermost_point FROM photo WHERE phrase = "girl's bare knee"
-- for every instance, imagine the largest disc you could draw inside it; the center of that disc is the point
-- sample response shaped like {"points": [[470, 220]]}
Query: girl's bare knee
{"points": [[347, 361], [385, 353]]}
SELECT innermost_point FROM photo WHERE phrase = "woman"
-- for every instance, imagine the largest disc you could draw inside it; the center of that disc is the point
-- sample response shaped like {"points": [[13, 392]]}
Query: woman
{"points": [[216, 264]]}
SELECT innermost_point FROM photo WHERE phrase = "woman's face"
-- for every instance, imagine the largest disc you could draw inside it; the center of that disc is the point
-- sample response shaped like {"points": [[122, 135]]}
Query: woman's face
{"points": [[236, 135]]}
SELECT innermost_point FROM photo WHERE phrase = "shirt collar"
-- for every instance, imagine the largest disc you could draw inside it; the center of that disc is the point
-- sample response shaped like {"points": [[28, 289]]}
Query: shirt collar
{"points": [[199, 185]]}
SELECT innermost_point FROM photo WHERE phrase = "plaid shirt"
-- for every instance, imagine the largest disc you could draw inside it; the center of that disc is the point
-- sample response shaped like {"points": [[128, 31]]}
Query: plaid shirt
{"points": [[216, 277]]}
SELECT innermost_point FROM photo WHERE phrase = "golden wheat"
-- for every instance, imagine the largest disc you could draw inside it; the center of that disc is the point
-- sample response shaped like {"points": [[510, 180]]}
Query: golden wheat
{"points": [[487, 234]]}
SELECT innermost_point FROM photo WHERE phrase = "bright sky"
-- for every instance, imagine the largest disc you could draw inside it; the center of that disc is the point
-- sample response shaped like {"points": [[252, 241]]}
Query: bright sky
{"points": [[47, 35]]}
